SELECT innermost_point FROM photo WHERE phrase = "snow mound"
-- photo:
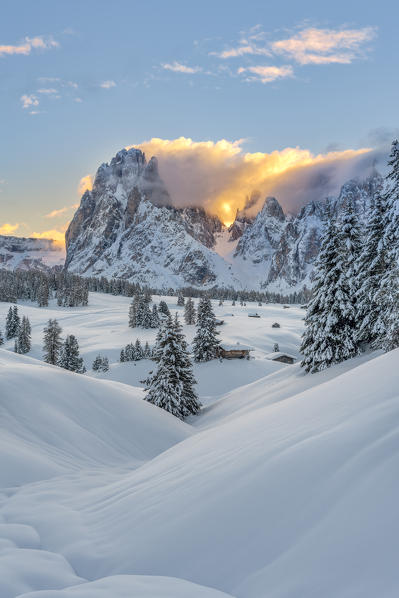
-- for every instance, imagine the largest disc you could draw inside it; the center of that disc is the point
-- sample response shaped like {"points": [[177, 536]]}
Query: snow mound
{"points": [[53, 421], [295, 498], [129, 586]]}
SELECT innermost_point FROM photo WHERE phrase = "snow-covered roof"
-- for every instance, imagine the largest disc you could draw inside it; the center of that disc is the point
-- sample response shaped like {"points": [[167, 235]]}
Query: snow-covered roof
{"points": [[236, 347], [277, 354]]}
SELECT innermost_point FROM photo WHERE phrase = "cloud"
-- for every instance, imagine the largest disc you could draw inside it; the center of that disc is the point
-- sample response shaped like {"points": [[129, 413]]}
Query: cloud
{"points": [[248, 45], [324, 46], [85, 184], [8, 229], [108, 84], [54, 233], [47, 90], [177, 67], [29, 44], [267, 74], [60, 211], [220, 176], [28, 101]]}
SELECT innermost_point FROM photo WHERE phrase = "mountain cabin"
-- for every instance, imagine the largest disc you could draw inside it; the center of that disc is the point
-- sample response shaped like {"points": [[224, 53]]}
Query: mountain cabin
{"points": [[281, 357], [234, 351]]}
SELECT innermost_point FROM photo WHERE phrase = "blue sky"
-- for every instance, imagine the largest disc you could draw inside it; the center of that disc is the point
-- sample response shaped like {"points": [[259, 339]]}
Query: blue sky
{"points": [[81, 79]]}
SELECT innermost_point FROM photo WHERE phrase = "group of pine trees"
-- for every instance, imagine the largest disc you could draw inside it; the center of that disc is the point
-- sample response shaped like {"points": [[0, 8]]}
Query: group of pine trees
{"points": [[135, 352], [140, 312], [19, 330], [355, 302], [33, 285], [65, 353]]}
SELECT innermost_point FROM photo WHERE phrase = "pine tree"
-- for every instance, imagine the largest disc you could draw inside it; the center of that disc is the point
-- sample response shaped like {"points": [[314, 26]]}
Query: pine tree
{"points": [[138, 350], [69, 356], [330, 321], [180, 299], [371, 266], [189, 312], [10, 332], [24, 336], [133, 312], [171, 385], [43, 294], [100, 364], [122, 357], [163, 308], [52, 342], [1, 338], [205, 343], [154, 317], [16, 320], [146, 351]]}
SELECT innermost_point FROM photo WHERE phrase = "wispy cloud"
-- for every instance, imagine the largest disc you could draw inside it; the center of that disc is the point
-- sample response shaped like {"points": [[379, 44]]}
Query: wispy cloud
{"points": [[8, 229], [267, 74], [47, 90], [177, 67], [248, 44], [56, 213], [30, 43], [29, 101], [108, 84], [324, 46], [57, 235]]}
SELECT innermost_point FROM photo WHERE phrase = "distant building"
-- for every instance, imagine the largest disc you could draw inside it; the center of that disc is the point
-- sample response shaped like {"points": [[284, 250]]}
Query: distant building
{"points": [[276, 325], [281, 357], [234, 351], [253, 315], [219, 322]]}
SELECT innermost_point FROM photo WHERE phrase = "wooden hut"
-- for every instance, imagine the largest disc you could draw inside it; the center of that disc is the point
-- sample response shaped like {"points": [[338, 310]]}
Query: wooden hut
{"points": [[234, 351], [281, 357], [253, 314]]}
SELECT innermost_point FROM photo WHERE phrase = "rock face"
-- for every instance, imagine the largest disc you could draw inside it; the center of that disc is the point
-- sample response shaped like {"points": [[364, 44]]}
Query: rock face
{"points": [[126, 226], [21, 253]]}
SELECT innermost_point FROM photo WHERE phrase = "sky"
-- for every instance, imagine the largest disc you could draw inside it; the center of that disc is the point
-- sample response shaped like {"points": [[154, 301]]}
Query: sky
{"points": [[244, 90]]}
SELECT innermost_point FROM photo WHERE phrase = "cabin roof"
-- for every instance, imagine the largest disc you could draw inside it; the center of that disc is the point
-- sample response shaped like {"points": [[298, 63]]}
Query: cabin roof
{"points": [[227, 347], [277, 354]]}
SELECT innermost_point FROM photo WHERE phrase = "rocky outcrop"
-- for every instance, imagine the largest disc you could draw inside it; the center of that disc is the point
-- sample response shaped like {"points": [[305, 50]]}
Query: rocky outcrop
{"points": [[21, 253], [126, 226]]}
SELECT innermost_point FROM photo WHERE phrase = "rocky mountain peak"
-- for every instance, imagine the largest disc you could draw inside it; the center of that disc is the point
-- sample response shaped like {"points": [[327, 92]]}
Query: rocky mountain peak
{"points": [[271, 208]]}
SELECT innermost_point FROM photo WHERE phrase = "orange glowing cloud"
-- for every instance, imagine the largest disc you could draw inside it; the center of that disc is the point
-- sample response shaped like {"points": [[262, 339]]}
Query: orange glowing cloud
{"points": [[85, 184], [220, 176], [8, 229]]}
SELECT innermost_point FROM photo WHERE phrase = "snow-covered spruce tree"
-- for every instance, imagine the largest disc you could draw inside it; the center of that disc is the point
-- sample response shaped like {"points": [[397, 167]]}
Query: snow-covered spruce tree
{"points": [[330, 321], [189, 312], [352, 246], [371, 266], [12, 323], [100, 364], [122, 356], [170, 386], [163, 308], [1, 338], [146, 351], [24, 336], [69, 356], [52, 342], [43, 294], [386, 326], [180, 299], [133, 312], [138, 349], [205, 343], [154, 317], [189, 396]]}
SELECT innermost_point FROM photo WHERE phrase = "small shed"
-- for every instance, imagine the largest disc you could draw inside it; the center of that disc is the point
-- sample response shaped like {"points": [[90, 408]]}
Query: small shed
{"points": [[276, 325], [219, 322], [281, 357], [234, 351], [253, 314]]}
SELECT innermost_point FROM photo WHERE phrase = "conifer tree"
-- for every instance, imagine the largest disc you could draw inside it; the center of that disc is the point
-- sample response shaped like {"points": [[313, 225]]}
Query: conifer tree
{"points": [[122, 357], [163, 308], [16, 320], [43, 294], [1, 338], [52, 342], [205, 343], [138, 350], [154, 317], [189, 312], [10, 332], [24, 336], [370, 267], [69, 356], [180, 299], [146, 351], [100, 364], [330, 321], [171, 385]]}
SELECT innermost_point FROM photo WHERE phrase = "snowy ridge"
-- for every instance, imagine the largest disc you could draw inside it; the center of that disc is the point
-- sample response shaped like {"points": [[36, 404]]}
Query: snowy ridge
{"points": [[127, 227], [28, 253]]}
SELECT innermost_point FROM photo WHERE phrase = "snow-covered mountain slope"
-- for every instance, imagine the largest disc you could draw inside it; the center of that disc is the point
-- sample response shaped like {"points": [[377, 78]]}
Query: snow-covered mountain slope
{"points": [[126, 226], [27, 254]]}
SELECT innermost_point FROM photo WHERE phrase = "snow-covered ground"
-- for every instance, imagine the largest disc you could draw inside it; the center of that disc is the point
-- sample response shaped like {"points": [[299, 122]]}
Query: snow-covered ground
{"points": [[284, 486]]}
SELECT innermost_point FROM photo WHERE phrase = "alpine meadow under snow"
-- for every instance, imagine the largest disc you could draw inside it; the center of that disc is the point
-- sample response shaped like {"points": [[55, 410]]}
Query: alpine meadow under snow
{"points": [[282, 485]]}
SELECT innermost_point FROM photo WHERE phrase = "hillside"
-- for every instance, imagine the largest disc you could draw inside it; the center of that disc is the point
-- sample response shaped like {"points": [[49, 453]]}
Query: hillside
{"points": [[283, 485]]}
